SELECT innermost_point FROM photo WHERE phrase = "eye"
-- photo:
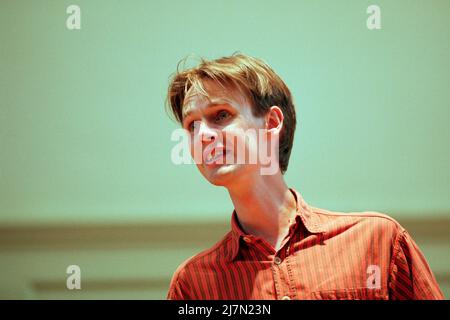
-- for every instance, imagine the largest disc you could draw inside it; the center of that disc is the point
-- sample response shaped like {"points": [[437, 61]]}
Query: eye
{"points": [[221, 115]]}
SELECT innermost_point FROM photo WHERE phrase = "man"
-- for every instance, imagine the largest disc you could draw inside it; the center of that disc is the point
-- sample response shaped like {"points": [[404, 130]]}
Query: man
{"points": [[279, 247]]}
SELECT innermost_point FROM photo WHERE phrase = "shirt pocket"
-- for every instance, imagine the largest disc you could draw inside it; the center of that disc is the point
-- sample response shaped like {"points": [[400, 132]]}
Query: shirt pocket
{"points": [[352, 294]]}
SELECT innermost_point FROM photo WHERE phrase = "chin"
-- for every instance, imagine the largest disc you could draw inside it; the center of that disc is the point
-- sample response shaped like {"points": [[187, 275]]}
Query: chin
{"points": [[221, 175]]}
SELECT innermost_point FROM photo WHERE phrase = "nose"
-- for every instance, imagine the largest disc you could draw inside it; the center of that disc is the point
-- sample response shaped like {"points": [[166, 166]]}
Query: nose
{"points": [[206, 133]]}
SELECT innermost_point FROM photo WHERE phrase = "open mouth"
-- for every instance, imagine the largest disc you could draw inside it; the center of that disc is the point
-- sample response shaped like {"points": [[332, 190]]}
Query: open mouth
{"points": [[217, 155]]}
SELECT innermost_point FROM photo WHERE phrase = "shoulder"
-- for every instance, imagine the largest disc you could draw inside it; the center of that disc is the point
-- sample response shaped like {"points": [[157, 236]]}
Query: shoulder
{"points": [[369, 221]]}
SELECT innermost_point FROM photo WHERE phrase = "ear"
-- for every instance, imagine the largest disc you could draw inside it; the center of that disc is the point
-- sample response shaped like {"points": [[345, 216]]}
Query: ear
{"points": [[274, 120]]}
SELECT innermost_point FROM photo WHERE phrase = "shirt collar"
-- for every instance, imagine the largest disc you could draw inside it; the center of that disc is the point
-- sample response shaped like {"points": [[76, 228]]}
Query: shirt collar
{"points": [[304, 214]]}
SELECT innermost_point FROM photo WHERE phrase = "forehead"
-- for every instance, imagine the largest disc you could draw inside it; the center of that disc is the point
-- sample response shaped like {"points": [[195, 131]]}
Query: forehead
{"points": [[214, 94]]}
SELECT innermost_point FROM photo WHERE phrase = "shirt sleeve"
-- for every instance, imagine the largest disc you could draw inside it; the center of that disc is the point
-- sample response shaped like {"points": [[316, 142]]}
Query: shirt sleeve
{"points": [[178, 289], [410, 276], [175, 292]]}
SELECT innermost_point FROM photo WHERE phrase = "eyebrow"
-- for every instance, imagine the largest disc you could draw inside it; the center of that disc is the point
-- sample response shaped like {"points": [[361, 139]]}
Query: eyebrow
{"points": [[212, 103]]}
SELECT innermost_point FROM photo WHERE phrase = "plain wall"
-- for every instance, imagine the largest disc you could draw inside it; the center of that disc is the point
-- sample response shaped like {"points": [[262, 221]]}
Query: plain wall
{"points": [[85, 138]]}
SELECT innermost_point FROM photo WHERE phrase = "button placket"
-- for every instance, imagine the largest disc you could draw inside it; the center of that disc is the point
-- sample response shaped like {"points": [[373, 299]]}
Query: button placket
{"points": [[291, 278], [280, 275], [277, 277], [286, 287], [277, 261]]}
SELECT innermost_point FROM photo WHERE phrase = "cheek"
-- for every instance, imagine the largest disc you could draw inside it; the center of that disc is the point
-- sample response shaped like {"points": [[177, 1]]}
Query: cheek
{"points": [[243, 143], [195, 144]]}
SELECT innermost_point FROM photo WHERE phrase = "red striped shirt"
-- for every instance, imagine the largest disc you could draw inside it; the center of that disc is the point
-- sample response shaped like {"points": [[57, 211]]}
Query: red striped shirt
{"points": [[326, 255]]}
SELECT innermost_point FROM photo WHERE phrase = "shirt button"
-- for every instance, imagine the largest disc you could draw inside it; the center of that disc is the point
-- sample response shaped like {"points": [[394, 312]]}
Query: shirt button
{"points": [[285, 298], [277, 260], [247, 239]]}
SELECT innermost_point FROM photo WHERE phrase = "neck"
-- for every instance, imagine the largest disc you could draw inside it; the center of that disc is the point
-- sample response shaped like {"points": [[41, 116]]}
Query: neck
{"points": [[264, 206]]}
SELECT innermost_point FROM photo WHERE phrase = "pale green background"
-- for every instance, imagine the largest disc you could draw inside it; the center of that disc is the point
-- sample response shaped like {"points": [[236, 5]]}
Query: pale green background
{"points": [[85, 137], [84, 134]]}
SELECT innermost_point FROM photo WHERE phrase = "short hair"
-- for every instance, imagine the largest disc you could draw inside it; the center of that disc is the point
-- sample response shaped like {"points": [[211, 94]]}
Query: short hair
{"points": [[261, 85]]}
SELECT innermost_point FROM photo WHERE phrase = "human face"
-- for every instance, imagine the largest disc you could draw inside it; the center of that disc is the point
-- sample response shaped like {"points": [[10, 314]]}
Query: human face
{"points": [[215, 124]]}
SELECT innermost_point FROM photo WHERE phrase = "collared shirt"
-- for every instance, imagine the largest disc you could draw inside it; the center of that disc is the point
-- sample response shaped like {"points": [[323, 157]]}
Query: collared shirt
{"points": [[326, 255]]}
